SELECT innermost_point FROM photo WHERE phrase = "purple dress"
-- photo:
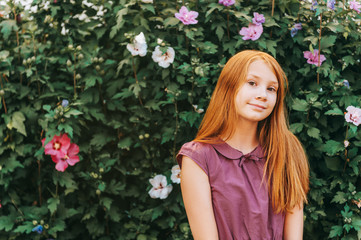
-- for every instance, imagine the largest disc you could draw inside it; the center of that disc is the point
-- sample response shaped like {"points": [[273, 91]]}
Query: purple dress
{"points": [[241, 204]]}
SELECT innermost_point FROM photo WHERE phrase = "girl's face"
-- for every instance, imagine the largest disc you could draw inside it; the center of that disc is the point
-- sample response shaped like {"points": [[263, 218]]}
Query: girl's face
{"points": [[256, 98]]}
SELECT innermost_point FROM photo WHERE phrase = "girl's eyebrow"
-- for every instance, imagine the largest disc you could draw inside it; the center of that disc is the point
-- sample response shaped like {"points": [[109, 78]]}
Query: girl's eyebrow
{"points": [[258, 77]]}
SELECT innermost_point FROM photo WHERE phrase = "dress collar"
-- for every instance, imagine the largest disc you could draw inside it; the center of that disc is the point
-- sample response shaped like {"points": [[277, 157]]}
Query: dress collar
{"points": [[231, 153]]}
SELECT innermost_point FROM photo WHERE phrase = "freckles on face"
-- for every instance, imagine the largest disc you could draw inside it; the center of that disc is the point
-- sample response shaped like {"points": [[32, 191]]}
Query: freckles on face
{"points": [[257, 96]]}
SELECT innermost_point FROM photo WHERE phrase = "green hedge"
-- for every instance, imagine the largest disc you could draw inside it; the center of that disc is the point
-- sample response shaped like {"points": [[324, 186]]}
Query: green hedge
{"points": [[129, 115]]}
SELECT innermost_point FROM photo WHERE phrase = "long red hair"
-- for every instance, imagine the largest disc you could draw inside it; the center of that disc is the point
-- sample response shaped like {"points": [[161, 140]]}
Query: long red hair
{"points": [[286, 163]]}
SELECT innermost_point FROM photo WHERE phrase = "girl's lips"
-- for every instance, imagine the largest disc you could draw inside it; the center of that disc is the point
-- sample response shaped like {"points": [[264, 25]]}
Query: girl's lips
{"points": [[258, 106]]}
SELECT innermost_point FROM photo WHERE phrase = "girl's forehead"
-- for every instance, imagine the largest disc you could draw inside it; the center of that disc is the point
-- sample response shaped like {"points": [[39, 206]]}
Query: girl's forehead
{"points": [[263, 70]]}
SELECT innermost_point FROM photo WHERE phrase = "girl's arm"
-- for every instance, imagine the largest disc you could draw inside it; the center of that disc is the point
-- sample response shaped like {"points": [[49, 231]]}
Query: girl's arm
{"points": [[197, 199], [293, 228]]}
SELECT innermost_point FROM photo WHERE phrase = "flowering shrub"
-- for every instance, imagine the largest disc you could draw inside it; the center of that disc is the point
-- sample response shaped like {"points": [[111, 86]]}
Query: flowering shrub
{"points": [[78, 74]]}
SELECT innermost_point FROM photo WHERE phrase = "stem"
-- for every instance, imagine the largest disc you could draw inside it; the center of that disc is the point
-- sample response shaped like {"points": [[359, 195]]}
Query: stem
{"points": [[3, 98], [18, 44], [39, 187], [319, 49], [74, 76], [36, 70], [228, 24], [136, 80], [346, 159], [273, 10], [176, 128]]}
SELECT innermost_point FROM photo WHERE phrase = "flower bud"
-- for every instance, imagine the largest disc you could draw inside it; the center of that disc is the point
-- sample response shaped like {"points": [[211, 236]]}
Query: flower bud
{"points": [[28, 61], [101, 170], [101, 59], [95, 175], [68, 63], [97, 67], [64, 103], [24, 62], [41, 222], [35, 222], [102, 72], [70, 47], [46, 226], [95, 59], [78, 76], [78, 48], [33, 58], [2, 93], [146, 135], [81, 56], [141, 137], [98, 192]]}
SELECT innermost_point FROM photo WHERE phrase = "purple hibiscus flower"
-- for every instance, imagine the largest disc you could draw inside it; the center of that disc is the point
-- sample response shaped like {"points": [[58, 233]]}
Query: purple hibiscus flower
{"points": [[227, 2], [187, 17], [253, 32], [312, 58], [258, 19]]}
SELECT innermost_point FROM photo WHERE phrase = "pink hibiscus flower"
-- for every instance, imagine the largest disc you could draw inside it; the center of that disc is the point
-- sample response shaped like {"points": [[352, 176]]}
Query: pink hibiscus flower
{"points": [[253, 32], [258, 19], [58, 146], [227, 2], [313, 58], [353, 115], [69, 159], [187, 17], [355, 6]]}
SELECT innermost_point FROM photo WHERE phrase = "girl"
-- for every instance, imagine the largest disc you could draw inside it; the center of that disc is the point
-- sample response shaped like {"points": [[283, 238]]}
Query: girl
{"points": [[243, 140]]}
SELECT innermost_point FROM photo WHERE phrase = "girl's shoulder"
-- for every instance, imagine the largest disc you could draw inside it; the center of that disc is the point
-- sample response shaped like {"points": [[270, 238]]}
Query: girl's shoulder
{"points": [[199, 152]]}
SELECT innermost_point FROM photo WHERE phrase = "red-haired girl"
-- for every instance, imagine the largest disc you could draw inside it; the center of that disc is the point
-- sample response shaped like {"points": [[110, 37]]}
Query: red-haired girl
{"points": [[245, 175]]}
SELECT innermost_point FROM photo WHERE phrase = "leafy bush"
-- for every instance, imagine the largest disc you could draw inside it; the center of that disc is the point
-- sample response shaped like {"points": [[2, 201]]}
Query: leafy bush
{"points": [[130, 114]]}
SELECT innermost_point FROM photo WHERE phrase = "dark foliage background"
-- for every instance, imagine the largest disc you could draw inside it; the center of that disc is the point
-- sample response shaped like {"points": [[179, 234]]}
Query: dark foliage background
{"points": [[129, 116]]}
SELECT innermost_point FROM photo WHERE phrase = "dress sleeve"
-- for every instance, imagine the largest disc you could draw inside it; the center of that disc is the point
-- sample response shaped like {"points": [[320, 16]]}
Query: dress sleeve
{"points": [[197, 152]]}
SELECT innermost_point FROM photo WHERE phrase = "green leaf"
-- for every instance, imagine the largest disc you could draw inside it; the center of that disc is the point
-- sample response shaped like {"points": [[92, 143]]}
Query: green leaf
{"points": [[296, 127], [125, 143], [6, 223], [220, 32], [271, 46], [334, 112], [73, 112], [328, 41], [67, 128], [157, 212], [17, 122], [25, 228], [53, 204], [120, 22], [171, 21], [7, 26], [299, 105], [148, 7], [332, 147], [106, 202], [57, 226], [313, 132], [340, 198], [335, 231]]}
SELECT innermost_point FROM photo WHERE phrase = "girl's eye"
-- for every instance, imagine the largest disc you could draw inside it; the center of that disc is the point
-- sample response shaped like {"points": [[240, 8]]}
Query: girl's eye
{"points": [[272, 89], [252, 83]]}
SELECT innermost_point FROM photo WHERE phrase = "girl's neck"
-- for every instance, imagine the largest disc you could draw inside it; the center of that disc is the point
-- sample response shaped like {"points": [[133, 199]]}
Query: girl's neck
{"points": [[245, 138]]}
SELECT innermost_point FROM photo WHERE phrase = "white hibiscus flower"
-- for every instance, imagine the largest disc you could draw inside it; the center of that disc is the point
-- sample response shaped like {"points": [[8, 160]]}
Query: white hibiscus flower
{"points": [[139, 46], [163, 59], [198, 110], [147, 1], [160, 188], [176, 173]]}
